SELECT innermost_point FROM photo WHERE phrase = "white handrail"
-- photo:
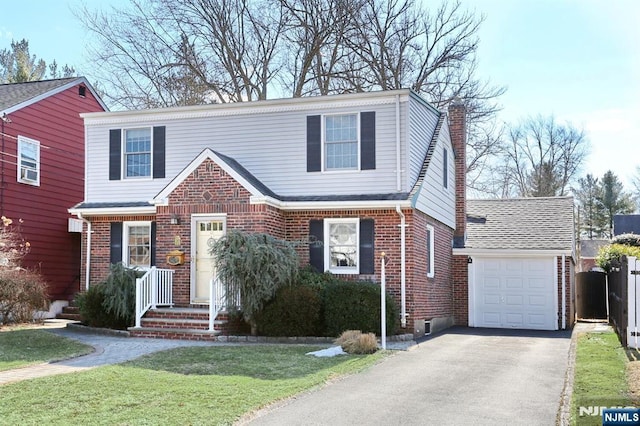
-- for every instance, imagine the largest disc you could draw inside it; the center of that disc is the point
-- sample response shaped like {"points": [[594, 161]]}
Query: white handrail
{"points": [[154, 288], [218, 302]]}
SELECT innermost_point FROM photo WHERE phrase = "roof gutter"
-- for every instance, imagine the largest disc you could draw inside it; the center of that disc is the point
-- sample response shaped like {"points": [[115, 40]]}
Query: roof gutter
{"points": [[107, 211], [326, 205]]}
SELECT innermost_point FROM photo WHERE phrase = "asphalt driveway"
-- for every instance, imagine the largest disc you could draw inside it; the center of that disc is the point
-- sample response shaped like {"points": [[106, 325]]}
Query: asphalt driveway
{"points": [[462, 377]]}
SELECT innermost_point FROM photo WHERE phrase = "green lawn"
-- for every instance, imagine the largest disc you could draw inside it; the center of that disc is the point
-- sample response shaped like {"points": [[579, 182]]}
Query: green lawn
{"points": [[600, 378], [196, 385], [22, 347]]}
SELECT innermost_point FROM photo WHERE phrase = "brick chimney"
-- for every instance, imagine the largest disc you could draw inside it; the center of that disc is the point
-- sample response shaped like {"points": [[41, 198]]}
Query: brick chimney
{"points": [[458, 133]]}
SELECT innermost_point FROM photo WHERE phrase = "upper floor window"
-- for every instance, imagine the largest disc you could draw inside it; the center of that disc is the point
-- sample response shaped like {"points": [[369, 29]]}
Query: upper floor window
{"points": [[137, 244], [341, 142], [137, 153], [28, 161], [342, 245]]}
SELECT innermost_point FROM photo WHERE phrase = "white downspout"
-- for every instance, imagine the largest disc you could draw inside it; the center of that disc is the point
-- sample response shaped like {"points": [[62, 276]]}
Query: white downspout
{"points": [[88, 262], [564, 295], [398, 161], [403, 295]]}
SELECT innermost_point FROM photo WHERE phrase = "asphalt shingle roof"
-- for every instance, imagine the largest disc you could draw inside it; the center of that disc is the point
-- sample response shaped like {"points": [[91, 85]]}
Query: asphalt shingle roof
{"points": [[520, 223], [17, 93]]}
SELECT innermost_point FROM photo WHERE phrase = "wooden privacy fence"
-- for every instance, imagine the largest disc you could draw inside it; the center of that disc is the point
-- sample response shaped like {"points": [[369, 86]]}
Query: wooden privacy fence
{"points": [[624, 295]]}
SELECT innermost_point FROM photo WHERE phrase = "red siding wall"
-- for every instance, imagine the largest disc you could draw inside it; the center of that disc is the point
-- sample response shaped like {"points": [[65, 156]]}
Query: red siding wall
{"points": [[56, 124]]}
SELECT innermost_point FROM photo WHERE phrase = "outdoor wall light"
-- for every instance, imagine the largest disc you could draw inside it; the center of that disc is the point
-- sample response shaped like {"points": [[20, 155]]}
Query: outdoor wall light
{"points": [[175, 219]]}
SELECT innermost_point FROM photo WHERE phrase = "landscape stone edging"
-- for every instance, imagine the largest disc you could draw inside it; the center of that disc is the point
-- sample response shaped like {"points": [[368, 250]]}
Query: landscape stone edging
{"points": [[239, 339]]}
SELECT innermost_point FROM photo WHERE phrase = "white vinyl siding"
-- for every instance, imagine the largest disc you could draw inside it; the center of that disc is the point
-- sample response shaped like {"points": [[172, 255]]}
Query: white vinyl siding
{"points": [[271, 145], [433, 198], [422, 124], [28, 161]]}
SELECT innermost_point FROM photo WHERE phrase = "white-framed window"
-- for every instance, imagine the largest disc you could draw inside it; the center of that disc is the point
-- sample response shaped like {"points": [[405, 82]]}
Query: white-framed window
{"points": [[28, 161], [137, 244], [341, 142], [445, 168], [342, 245], [430, 252], [137, 153]]}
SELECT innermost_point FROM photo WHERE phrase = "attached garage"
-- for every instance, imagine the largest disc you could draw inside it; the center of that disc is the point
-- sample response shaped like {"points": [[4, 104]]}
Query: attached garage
{"points": [[517, 292], [519, 257]]}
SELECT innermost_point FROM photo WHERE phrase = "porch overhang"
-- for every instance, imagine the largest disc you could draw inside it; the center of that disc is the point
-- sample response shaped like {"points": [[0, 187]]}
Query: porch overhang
{"points": [[109, 209]]}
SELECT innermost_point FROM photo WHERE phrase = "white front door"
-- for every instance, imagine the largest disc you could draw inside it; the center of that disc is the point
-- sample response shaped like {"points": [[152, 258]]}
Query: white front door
{"points": [[513, 293], [207, 232]]}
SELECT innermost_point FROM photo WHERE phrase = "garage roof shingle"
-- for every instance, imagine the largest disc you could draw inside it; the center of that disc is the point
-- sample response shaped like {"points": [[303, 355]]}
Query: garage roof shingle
{"points": [[521, 223]]}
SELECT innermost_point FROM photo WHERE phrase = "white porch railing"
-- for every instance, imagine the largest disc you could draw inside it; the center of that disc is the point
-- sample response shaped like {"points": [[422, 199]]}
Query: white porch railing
{"points": [[155, 288], [218, 302]]}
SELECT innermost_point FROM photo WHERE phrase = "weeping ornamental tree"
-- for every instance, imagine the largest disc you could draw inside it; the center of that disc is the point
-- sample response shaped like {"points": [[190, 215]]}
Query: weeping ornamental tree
{"points": [[253, 266]]}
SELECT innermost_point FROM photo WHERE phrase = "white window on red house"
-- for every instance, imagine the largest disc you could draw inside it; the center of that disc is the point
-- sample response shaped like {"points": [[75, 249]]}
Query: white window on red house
{"points": [[342, 245], [28, 161], [137, 240], [430, 252]]}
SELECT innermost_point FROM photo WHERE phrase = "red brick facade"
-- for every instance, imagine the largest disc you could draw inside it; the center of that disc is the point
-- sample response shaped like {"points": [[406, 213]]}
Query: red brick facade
{"points": [[210, 190]]}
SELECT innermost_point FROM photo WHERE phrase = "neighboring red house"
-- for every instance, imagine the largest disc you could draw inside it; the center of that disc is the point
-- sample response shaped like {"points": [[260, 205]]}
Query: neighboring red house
{"points": [[42, 173]]}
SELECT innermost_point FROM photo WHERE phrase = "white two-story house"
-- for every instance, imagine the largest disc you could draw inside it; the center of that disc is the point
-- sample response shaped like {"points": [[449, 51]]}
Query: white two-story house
{"points": [[363, 173]]}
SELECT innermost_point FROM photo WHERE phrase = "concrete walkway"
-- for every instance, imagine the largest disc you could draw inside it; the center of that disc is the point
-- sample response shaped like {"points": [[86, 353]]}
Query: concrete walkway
{"points": [[464, 376], [108, 349], [111, 349]]}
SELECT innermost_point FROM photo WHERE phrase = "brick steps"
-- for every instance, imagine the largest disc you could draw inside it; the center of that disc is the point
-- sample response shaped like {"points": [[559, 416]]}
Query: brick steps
{"points": [[179, 323], [70, 313]]}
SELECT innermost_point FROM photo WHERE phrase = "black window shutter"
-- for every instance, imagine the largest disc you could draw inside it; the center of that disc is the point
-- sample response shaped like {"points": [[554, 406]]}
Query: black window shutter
{"points": [[116, 242], [158, 152], [115, 156], [153, 244], [367, 246], [316, 246], [314, 143], [368, 140]]}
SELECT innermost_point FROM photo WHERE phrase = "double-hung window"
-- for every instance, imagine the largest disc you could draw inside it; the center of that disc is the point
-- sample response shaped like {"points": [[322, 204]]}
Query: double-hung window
{"points": [[137, 244], [341, 142], [137, 153], [342, 245], [28, 161]]}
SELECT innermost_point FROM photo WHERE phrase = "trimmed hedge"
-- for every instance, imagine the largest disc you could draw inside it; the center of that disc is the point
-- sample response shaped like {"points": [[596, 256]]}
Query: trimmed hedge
{"points": [[295, 311], [323, 305], [355, 306]]}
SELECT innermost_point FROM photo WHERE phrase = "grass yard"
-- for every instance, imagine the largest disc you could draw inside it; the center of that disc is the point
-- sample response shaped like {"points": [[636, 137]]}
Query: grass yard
{"points": [[600, 376], [195, 385], [22, 347]]}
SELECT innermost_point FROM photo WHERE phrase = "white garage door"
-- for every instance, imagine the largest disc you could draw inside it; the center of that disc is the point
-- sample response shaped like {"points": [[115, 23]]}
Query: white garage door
{"points": [[514, 293]]}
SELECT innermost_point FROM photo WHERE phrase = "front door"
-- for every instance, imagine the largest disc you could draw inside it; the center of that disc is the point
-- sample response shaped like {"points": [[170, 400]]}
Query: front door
{"points": [[207, 232]]}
